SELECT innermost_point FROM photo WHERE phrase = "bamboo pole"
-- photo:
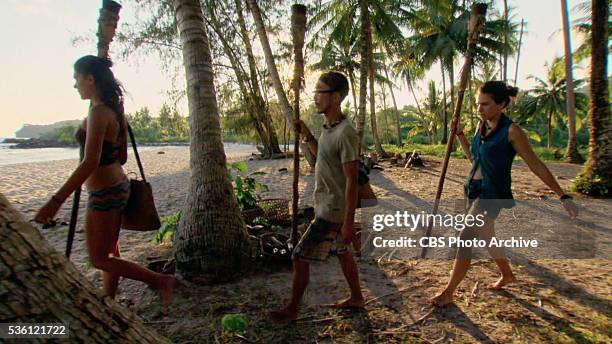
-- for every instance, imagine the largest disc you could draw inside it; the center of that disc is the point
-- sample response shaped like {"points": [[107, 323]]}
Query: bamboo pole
{"points": [[107, 25], [477, 19], [298, 31]]}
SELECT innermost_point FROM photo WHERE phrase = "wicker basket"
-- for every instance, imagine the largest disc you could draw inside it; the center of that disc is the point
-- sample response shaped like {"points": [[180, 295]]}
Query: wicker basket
{"points": [[275, 209], [250, 215]]}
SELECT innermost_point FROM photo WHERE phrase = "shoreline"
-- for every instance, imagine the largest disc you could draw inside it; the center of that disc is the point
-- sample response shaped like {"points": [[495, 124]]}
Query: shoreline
{"points": [[10, 157], [19, 143]]}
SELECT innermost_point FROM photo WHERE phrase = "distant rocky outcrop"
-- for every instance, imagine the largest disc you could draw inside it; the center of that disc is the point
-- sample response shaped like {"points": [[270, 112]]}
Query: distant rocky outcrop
{"points": [[38, 143], [36, 130]]}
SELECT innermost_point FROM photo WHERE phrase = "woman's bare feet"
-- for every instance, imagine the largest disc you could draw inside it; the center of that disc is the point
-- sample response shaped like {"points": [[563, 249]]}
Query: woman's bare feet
{"points": [[442, 299], [283, 316], [502, 281], [166, 289], [351, 302]]}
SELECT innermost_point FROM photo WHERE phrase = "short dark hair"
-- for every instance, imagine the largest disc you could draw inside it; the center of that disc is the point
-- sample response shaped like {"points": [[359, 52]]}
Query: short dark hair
{"points": [[336, 81], [499, 91]]}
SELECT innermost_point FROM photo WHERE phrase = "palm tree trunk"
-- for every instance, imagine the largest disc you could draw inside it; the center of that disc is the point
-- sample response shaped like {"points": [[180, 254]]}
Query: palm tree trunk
{"points": [[571, 155], [416, 100], [261, 109], [211, 239], [599, 163], [451, 71], [518, 52], [265, 43], [366, 36], [363, 72], [384, 112], [444, 138], [549, 134], [505, 75], [40, 285], [377, 145], [397, 114], [351, 74], [256, 112]]}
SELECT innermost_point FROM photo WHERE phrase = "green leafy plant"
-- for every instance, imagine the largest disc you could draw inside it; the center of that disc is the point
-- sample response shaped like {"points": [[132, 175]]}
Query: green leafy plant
{"points": [[263, 221], [169, 226], [592, 185], [245, 185], [235, 322]]}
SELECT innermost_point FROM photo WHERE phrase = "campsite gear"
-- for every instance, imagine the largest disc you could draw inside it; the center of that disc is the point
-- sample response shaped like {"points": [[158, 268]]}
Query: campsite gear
{"points": [[140, 213], [107, 24], [413, 160], [365, 195], [275, 210], [475, 26]]}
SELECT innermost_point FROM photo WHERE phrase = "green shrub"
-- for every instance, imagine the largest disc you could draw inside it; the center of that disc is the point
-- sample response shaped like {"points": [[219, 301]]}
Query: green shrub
{"points": [[235, 322], [245, 185], [169, 226], [592, 185]]}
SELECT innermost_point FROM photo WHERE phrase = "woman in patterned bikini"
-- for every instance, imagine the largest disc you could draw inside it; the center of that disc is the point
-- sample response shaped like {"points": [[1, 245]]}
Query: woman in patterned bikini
{"points": [[103, 141]]}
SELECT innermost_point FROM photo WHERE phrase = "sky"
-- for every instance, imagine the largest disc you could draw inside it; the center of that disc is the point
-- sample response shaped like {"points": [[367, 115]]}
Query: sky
{"points": [[38, 54]]}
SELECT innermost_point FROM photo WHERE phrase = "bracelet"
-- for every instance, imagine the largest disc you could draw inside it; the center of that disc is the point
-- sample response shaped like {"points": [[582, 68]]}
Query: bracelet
{"points": [[56, 200], [565, 197]]}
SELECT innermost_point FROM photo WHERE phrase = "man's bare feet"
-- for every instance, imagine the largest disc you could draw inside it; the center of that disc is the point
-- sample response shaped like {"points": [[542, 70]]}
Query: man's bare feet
{"points": [[349, 303], [442, 299], [283, 316], [501, 282], [166, 289]]}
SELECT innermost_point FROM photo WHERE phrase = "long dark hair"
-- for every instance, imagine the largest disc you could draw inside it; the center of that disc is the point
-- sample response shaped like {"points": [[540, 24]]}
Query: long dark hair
{"points": [[499, 91], [108, 88]]}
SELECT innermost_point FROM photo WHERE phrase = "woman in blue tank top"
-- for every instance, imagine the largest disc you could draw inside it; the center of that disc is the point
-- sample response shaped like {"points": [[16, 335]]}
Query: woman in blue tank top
{"points": [[488, 187]]}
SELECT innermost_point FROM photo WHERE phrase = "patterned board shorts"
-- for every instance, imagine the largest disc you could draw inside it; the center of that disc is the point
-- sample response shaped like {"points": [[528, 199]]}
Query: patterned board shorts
{"points": [[111, 197], [320, 239]]}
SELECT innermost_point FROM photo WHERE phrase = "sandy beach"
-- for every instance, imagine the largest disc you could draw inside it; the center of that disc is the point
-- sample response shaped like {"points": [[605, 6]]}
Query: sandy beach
{"points": [[29, 185]]}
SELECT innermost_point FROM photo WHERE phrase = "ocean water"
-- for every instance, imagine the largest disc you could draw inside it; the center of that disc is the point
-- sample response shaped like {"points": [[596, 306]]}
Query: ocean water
{"points": [[19, 156]]}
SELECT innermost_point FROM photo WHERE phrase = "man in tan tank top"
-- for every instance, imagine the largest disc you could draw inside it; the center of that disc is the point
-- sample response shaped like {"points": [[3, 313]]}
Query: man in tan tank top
{"points": [[335, 197]]}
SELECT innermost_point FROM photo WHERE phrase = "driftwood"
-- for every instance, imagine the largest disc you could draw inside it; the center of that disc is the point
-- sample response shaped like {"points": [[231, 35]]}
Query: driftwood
{"points": [[38, 284]]}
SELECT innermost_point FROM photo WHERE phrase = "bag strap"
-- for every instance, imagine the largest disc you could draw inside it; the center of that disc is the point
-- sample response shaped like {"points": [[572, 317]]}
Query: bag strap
{"points": [[136, 153]]}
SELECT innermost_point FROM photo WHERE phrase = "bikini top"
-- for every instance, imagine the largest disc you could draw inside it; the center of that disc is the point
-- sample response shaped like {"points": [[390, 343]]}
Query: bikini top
{"points": [[111, 152]]}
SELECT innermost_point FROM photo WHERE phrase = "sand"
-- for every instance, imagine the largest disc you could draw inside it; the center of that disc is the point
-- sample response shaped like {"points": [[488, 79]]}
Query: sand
{"points": [[28, 186]]}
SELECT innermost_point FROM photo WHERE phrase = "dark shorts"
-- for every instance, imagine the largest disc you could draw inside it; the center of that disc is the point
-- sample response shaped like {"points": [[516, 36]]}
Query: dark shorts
{"points": [[477, 205], [320, 239], [111, 197]]}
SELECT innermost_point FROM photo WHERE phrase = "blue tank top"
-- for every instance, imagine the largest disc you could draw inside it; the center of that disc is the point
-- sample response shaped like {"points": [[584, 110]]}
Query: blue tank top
{"points": [[494, 154]]}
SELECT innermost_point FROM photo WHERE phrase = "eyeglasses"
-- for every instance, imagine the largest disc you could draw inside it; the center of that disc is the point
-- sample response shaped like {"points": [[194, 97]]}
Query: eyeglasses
{"points": [[326, 91]]}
